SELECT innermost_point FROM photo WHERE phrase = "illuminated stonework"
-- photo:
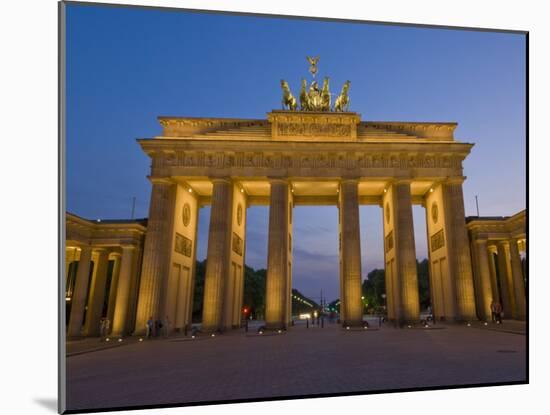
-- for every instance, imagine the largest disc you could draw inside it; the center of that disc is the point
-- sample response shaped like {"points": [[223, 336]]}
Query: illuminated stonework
{"points": [[290, 159]]}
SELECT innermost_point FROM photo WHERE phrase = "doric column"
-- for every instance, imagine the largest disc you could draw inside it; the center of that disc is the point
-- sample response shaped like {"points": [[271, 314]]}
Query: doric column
{"points": [[505, 280], [459, 249], [80, 292], [350, 297], [113, 288], [156, 252], [97, 294], [483, 275], [277, 255], [217, 264], [491, 251], [406, 253], [120, 316], [517, 277]]}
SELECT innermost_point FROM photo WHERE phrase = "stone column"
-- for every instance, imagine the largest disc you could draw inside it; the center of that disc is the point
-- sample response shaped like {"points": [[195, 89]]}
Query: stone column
{"points": [[120, 316], [97, 294], [460, 262], [491, 250], [484, 279], [80, 292], [217, 264], [505, 280], [156, 255], [409, 306], [113, 288], [350, 253], [277, 256], [517, 277]]}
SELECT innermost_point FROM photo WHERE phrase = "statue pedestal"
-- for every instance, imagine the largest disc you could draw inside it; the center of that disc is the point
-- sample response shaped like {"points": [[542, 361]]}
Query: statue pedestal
{"points": [[314, 126]]}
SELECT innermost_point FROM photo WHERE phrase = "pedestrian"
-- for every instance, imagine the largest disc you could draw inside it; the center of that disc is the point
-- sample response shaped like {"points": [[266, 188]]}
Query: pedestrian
{"points": [[102, 329], [430, 316], [493, 312], [106, 326], [149, 332], [158, 328], [498, 312]]}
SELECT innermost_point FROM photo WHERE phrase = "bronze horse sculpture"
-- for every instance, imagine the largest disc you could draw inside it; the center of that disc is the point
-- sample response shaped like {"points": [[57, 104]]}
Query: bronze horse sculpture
{"points": [[289, 102], [304, 97], [342, 102], [325, 96]]}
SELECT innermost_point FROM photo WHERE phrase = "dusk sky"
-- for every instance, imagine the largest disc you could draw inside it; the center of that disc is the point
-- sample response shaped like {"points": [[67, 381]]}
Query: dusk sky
{"points": [[126, 66]]}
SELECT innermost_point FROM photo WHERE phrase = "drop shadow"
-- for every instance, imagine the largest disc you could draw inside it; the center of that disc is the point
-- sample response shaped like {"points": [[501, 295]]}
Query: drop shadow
{"points": [[48, 403]]}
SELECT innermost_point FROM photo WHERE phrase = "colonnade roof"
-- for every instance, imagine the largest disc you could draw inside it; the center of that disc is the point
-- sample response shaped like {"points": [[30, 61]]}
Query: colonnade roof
{"points": [[104, 233], [498, 227]]}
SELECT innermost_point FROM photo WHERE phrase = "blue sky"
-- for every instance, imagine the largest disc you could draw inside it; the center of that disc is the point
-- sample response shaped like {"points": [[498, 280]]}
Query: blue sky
{"points": [[126, 66]]}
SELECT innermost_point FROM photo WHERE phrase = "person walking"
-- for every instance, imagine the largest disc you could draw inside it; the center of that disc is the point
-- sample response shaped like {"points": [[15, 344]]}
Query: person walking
{"points": [[102, 329], [149, 332], [106, 326], [158, 327], [498, 312], [493, 313]]}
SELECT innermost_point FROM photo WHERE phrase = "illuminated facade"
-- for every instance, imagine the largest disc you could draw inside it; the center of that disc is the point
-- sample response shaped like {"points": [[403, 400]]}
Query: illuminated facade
{"points": [[499, 253], [291, 158]]}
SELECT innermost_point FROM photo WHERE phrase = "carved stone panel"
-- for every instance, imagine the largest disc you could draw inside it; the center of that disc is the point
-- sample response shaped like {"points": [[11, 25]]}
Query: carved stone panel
{"points": [[389, 242], [237, 244], [183, 245], [437, 240]]}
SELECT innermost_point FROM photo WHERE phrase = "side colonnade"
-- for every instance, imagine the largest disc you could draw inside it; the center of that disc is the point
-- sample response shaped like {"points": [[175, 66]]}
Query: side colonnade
{"points": [[499, 254]]}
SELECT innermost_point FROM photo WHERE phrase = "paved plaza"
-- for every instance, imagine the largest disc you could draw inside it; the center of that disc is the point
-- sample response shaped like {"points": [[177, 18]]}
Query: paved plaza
{"points": [[301, 361]]}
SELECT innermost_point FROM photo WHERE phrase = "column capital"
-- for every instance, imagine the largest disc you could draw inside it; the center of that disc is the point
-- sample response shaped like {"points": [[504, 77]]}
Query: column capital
{"points": [[455, 180], [221, 179], [349, 180], [491, 246], [100, 249], [160, 180], [398, 181], [283, 180], [503, 242]]}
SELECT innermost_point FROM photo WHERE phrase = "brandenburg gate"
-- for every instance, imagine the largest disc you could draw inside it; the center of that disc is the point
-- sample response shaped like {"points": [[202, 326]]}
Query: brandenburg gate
{"points": [[316, 155]]}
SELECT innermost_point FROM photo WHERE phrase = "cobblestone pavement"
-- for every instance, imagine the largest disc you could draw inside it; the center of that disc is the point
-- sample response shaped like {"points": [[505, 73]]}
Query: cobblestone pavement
{"points": [[299, 362]]}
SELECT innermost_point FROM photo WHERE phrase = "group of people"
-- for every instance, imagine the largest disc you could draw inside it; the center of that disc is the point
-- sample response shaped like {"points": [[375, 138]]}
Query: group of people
{"points": [[496, 312], [156, 328]]}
